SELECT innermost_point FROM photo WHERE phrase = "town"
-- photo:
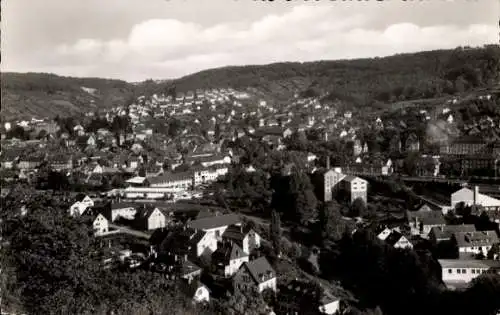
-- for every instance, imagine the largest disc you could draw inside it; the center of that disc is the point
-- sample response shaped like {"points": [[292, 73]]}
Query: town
{"points": [[245, 202]]}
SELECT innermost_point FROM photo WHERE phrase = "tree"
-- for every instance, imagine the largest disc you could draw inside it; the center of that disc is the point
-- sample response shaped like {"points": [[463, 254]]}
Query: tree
{"points": [[483, 294], [303, 199], [330, 220], [275, 232], [357, 208], [52, 265]]}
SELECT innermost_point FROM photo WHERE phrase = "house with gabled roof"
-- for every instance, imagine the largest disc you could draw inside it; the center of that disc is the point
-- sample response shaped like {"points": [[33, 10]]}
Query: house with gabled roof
{"points": [[150, 218], [478, 242], [228, 258], [100, 225], [215, 225], [445, 233], [255, 275], [398, 240], [422, 221], [246, 238]]}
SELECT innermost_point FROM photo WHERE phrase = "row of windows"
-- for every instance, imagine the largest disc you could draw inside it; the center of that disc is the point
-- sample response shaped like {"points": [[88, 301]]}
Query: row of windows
{"points": [[473, 271]]}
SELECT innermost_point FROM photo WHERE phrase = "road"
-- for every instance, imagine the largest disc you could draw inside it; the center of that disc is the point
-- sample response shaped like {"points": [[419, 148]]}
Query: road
{"points": [[127, 230]]}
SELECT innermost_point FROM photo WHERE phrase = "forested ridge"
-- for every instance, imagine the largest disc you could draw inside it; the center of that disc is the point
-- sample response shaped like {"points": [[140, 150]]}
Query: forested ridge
{"points": [[359, 81]]}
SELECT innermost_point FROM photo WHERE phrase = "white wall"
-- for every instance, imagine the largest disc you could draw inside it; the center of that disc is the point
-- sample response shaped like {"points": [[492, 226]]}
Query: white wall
{"points": [[269, 284], [330, 308], [465, 275], [234, 266]]}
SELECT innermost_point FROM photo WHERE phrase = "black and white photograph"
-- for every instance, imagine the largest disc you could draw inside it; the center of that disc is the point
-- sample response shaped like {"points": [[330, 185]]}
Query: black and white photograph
{"points": [[250, 157]]}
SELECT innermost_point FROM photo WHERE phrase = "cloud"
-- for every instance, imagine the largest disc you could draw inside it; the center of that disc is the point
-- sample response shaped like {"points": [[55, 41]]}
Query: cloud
{"points": [[167, 48]]}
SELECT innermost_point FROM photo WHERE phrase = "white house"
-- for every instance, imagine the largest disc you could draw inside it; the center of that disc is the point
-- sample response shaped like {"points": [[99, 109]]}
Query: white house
{"points": [[78, 208], [151, 218], [100, 225], [384, 234], [457, 272], [203, 175], [204, 242], [247, 239], [475, 242], [256, 273], [398, 240]]}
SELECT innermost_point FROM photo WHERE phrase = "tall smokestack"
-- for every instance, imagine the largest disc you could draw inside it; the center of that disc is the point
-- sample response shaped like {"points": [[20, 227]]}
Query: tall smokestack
{"points": [[328, 162], [476, 193]]}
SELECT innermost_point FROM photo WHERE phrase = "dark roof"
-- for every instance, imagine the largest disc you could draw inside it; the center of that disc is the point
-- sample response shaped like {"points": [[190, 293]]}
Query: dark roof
{"points": [[478, 238], [260, 270], [188, 268], [170, 177], [393, 238], [447, 231], [145, 212], [123, 205], [226, 252], [427, 217], [236, 233], [215, 221]]}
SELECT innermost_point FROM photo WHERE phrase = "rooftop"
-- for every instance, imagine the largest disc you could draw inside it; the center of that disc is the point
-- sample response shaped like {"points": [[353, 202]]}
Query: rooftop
{"points": [[215, 222]]}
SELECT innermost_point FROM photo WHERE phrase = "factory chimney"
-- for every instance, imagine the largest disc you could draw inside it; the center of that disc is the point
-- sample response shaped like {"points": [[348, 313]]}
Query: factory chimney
{"points": [[476, 193]]}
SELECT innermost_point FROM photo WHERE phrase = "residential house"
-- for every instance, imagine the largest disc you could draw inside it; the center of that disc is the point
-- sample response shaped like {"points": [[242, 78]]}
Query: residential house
{"points": [[121, 210], [354, 188], [422, 221], [478, 242], [150, 218], [325, 180], [228, 258], [82, 203], [202, 243], [100, 225], [398, 240], [382, 235], [189, 271], [457, 273], [445, 233], [256, 274], [202, 175], [215, 225], [246, 238]]}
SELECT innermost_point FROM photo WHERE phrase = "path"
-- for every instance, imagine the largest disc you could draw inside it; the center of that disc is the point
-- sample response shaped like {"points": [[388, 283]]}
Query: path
{"points": [[127, 230]]}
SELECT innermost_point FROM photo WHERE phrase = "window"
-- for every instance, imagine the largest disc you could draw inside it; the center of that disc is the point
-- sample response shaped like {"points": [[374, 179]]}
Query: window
{"points": [[464, 271], [458, 271], [450, 271], [473, 271]]}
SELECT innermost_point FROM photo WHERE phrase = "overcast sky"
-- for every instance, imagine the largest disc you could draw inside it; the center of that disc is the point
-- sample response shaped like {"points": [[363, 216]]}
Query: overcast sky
{"points": [[160, 39]]}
